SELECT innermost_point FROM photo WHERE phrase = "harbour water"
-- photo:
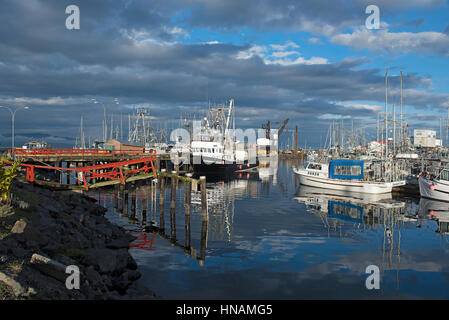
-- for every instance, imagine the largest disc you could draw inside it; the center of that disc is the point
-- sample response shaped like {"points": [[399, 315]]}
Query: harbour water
{"points": [[269, 238]]}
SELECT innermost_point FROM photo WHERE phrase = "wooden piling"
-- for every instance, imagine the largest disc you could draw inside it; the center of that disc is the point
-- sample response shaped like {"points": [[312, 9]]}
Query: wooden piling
{"points": [[174, 182], [133, 204], [203, 198], [68, 173], [121, 197], [158, 164], [188, 201], [203, 242], [116, 197], [161, 200], [125, 202], [144, 209]]}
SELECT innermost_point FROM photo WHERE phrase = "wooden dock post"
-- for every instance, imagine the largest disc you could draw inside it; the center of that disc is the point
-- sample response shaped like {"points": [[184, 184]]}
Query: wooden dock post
{"points": [[161, 200], [203, 198], [144, 209], [116, 192], [174, 182], [133, 204], [188, 201], [68, 173], [125, 202], [157, 164], [121, 189], [203, 242]]}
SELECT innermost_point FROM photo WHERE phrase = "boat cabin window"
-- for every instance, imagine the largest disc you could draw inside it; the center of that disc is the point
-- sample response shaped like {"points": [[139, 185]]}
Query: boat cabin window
{"points": [[314, 166], [444, 175], [348, 170]]}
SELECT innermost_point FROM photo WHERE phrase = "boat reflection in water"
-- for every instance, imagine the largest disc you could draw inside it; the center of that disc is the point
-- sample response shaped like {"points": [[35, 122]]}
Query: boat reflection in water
{"points": [[362, 208], [436, 210]]}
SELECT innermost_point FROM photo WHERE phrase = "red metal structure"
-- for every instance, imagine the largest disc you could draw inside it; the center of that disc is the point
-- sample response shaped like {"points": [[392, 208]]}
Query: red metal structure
{"points": [[112, 171], [85, 154]]}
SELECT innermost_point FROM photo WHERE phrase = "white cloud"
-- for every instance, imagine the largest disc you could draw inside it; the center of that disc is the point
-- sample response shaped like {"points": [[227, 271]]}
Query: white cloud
{"points": [[49, 101], [315, 41], [383, 40], [281, 47], [177, 31], [279, 57], [282, 54], [299, 60], [360, 106], [212, 42], [254, 50], [331, 116]]}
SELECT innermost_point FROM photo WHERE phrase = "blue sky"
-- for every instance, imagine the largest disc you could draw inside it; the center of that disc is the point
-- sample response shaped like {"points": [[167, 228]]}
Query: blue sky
{"points": [[309, 61]]}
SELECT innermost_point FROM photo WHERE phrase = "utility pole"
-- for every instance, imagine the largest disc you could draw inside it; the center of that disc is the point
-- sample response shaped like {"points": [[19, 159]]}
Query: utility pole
{"points": [[13, 117]]}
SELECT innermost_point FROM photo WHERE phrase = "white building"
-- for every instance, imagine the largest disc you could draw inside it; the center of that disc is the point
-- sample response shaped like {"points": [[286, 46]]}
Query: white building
{"points": [[425, 138]]}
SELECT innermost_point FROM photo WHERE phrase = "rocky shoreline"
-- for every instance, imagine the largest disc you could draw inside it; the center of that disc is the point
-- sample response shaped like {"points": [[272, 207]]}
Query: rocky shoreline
{"points": [[63, 228]]}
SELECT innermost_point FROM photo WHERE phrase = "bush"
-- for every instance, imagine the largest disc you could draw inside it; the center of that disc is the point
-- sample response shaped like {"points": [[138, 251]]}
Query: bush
{"points": [[7, 173]]}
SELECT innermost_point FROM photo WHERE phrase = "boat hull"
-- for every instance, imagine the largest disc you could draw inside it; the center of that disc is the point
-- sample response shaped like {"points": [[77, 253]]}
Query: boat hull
{"points": [[432, 189], [345, 185], [215, 169]]}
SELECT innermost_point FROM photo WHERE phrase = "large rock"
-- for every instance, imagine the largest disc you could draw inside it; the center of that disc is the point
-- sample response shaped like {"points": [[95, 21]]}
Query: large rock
{"points": [[32, 237], [108, 260], [117, 244], [49, 267]]}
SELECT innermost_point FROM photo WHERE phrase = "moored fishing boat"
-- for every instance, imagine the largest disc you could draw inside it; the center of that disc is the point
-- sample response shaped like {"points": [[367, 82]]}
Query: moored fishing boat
{"points": [[347, 175], [215, 149], [437, 187]]}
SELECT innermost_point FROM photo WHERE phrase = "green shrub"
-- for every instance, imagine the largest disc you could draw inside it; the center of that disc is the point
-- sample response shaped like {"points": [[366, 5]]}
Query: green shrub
{"points": [[7, 173]]}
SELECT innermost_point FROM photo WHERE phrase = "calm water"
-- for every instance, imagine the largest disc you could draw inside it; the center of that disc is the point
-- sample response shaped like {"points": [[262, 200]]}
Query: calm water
{"points": [[269, 239]]}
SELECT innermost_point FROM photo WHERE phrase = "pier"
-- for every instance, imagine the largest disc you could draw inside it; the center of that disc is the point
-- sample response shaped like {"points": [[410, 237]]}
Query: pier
{"points": [[89, 168]]}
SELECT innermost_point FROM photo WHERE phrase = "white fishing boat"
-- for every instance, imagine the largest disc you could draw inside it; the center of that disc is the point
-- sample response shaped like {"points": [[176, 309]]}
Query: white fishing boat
{"points": [[215, 150], [347, 175], [436, 188]]}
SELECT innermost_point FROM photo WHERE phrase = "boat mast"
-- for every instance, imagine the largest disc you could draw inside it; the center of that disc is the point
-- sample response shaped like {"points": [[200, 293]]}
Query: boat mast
{"points": [[402, 133], [394, 129], [386, 110]]}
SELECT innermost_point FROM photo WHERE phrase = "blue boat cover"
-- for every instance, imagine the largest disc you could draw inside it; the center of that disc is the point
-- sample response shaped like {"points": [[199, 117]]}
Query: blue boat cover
{"points": [[341, 210], [345, 163]]}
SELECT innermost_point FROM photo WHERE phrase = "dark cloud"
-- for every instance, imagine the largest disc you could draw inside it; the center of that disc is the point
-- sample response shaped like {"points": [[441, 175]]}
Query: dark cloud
{"points": [[130, 50]]}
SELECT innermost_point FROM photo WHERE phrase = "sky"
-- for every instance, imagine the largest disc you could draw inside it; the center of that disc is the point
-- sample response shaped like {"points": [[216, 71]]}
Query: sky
{"points": [[312, 62]]}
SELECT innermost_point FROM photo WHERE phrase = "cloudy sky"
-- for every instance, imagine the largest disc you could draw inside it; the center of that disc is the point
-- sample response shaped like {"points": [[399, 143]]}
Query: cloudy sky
{"points": [[310, 61]]}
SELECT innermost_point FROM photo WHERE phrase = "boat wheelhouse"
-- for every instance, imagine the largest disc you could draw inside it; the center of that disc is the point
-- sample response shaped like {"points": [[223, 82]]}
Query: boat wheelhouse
{"points": [[347, 175]]}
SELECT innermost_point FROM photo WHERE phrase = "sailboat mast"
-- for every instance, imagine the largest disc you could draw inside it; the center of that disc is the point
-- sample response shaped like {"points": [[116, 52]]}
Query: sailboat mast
{"points": [[402, 134], [394, 129]]}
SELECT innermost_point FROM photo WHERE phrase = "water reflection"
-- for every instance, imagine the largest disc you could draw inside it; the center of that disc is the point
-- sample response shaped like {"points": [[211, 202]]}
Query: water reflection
{"points": [[438, 211], [266, 238], [361, 208]]}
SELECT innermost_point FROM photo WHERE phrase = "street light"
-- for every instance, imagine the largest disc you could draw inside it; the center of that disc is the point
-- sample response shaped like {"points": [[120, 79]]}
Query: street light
{"points": [[105, 121], [13, 116]]}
